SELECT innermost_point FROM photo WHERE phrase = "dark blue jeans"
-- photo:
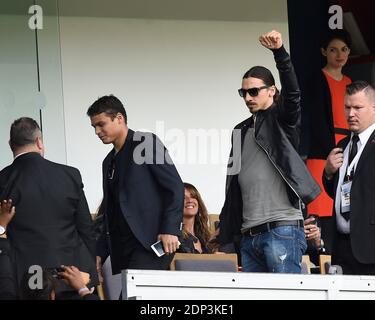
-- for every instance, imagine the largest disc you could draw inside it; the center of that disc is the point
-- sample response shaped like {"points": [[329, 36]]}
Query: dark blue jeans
{"points": [[279, 250]]}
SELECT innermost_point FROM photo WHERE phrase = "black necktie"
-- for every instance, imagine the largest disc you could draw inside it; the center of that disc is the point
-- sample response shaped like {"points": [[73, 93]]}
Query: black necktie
{"points": [[354, 148], [352, 154]]}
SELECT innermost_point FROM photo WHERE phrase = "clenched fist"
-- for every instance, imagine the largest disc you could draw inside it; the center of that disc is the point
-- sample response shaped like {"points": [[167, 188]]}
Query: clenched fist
{"points": [[271, 40]]}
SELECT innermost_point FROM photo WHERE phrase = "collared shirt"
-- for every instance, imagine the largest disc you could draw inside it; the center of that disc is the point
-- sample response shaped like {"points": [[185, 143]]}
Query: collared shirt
{"points": [[343, 226], [18, 155]]}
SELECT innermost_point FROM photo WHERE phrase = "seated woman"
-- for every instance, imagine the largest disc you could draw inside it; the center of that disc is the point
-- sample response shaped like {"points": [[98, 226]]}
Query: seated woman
{"points": [[195, 232]]}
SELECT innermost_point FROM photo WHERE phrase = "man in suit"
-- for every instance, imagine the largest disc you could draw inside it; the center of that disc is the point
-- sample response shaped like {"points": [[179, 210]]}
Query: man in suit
{"points": [[8, 291], [53, 226], [349, 178], [143, 193]]}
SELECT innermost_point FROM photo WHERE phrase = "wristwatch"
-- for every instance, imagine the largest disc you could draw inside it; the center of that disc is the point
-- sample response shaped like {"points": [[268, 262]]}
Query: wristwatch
{"points": [[2, 230], [321, 249]]}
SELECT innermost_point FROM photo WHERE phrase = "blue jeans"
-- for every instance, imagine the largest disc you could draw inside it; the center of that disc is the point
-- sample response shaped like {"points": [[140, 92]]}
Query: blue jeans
{"points": [[278, 250]]}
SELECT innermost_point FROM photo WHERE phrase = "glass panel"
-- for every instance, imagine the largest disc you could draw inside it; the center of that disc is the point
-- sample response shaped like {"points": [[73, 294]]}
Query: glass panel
{"points": [[18, 70], [30, 74], [51, 82]]}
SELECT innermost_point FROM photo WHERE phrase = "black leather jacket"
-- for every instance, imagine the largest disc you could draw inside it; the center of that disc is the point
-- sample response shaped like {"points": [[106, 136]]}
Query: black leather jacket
{"points": [[277, 131]]}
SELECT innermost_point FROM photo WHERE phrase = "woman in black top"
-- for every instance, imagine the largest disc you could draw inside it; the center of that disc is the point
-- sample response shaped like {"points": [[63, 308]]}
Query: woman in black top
{"points": [[195, 233]]}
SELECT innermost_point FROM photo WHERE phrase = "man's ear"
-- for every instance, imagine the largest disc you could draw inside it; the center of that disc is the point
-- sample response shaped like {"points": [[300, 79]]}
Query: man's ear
{"points": [[272, 91], [323, 52], [119, 116], [39, 143]]}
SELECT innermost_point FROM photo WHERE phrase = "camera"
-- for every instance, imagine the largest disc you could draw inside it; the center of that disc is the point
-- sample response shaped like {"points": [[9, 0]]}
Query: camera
{"points": [[55, 272]]}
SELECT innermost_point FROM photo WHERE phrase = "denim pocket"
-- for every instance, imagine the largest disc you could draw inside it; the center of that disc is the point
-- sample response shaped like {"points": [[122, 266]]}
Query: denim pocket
{"points": [[284, 232], [301, 239]]}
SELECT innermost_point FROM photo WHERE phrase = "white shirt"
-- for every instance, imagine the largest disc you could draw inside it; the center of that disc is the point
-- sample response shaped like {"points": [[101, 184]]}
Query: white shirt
{"points": [[343, 226]]}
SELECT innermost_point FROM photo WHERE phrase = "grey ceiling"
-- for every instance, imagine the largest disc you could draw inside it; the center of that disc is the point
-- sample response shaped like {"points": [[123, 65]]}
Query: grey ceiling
{"points": [[227, 10]]}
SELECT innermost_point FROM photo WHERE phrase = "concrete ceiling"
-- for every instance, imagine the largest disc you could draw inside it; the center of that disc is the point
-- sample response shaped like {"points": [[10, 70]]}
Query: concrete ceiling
{"points": [[225, 10]]}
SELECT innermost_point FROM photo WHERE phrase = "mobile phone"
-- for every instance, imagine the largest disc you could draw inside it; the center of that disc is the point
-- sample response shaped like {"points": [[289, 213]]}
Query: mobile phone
{"points": [[55, 272], [316, 218], [158, 248]]}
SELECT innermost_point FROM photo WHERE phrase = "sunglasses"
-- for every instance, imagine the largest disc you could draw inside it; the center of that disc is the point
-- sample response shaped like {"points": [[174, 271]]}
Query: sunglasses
{"points": [[253, 92]]}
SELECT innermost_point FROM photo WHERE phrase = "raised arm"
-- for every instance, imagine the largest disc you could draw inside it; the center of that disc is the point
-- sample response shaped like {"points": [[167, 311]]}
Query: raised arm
{"points": [[289, 107]]}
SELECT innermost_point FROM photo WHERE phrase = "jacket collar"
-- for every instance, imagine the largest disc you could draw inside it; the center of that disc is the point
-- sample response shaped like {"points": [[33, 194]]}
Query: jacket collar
{"points": [[27, 156], [255, 120], [125, 154]]}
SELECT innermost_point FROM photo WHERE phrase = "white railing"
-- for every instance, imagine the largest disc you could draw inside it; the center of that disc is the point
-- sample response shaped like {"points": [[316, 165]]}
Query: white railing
{"points": [[190, 285]]}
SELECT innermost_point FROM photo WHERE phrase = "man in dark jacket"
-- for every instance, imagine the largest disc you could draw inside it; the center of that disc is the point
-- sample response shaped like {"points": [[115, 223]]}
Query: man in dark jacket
{"points": [[143, 193], [8, 290], [53, 225], [349, 179], [267, 180]]}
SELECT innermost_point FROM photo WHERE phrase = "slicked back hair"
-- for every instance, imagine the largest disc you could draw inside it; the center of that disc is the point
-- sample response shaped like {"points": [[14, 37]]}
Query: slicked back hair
{"points": [[359, 86], [265, 75]]}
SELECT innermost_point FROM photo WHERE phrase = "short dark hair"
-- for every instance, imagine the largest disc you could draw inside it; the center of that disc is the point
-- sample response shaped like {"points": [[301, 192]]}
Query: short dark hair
{"points": [[339, 34], [263, 74], [360, 85], [23, 132], [110, 105]]}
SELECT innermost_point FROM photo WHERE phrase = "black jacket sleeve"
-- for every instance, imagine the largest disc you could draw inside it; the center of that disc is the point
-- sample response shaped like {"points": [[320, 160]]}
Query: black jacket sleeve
{"points": [[83, 219], [290, 97], [329, 185], [166, 175]]}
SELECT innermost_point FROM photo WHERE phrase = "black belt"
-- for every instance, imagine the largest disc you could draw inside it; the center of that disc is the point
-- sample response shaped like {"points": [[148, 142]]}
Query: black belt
{"points": [[344, 236], [265, 227]]}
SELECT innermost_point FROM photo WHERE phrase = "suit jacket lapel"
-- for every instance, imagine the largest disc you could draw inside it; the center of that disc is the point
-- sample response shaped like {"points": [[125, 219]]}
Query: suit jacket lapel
{"points": [[369, 148]]}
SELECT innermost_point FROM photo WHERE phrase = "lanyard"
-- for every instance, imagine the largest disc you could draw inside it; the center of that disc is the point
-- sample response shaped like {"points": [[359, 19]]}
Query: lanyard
{"points": [[354, 161]]}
